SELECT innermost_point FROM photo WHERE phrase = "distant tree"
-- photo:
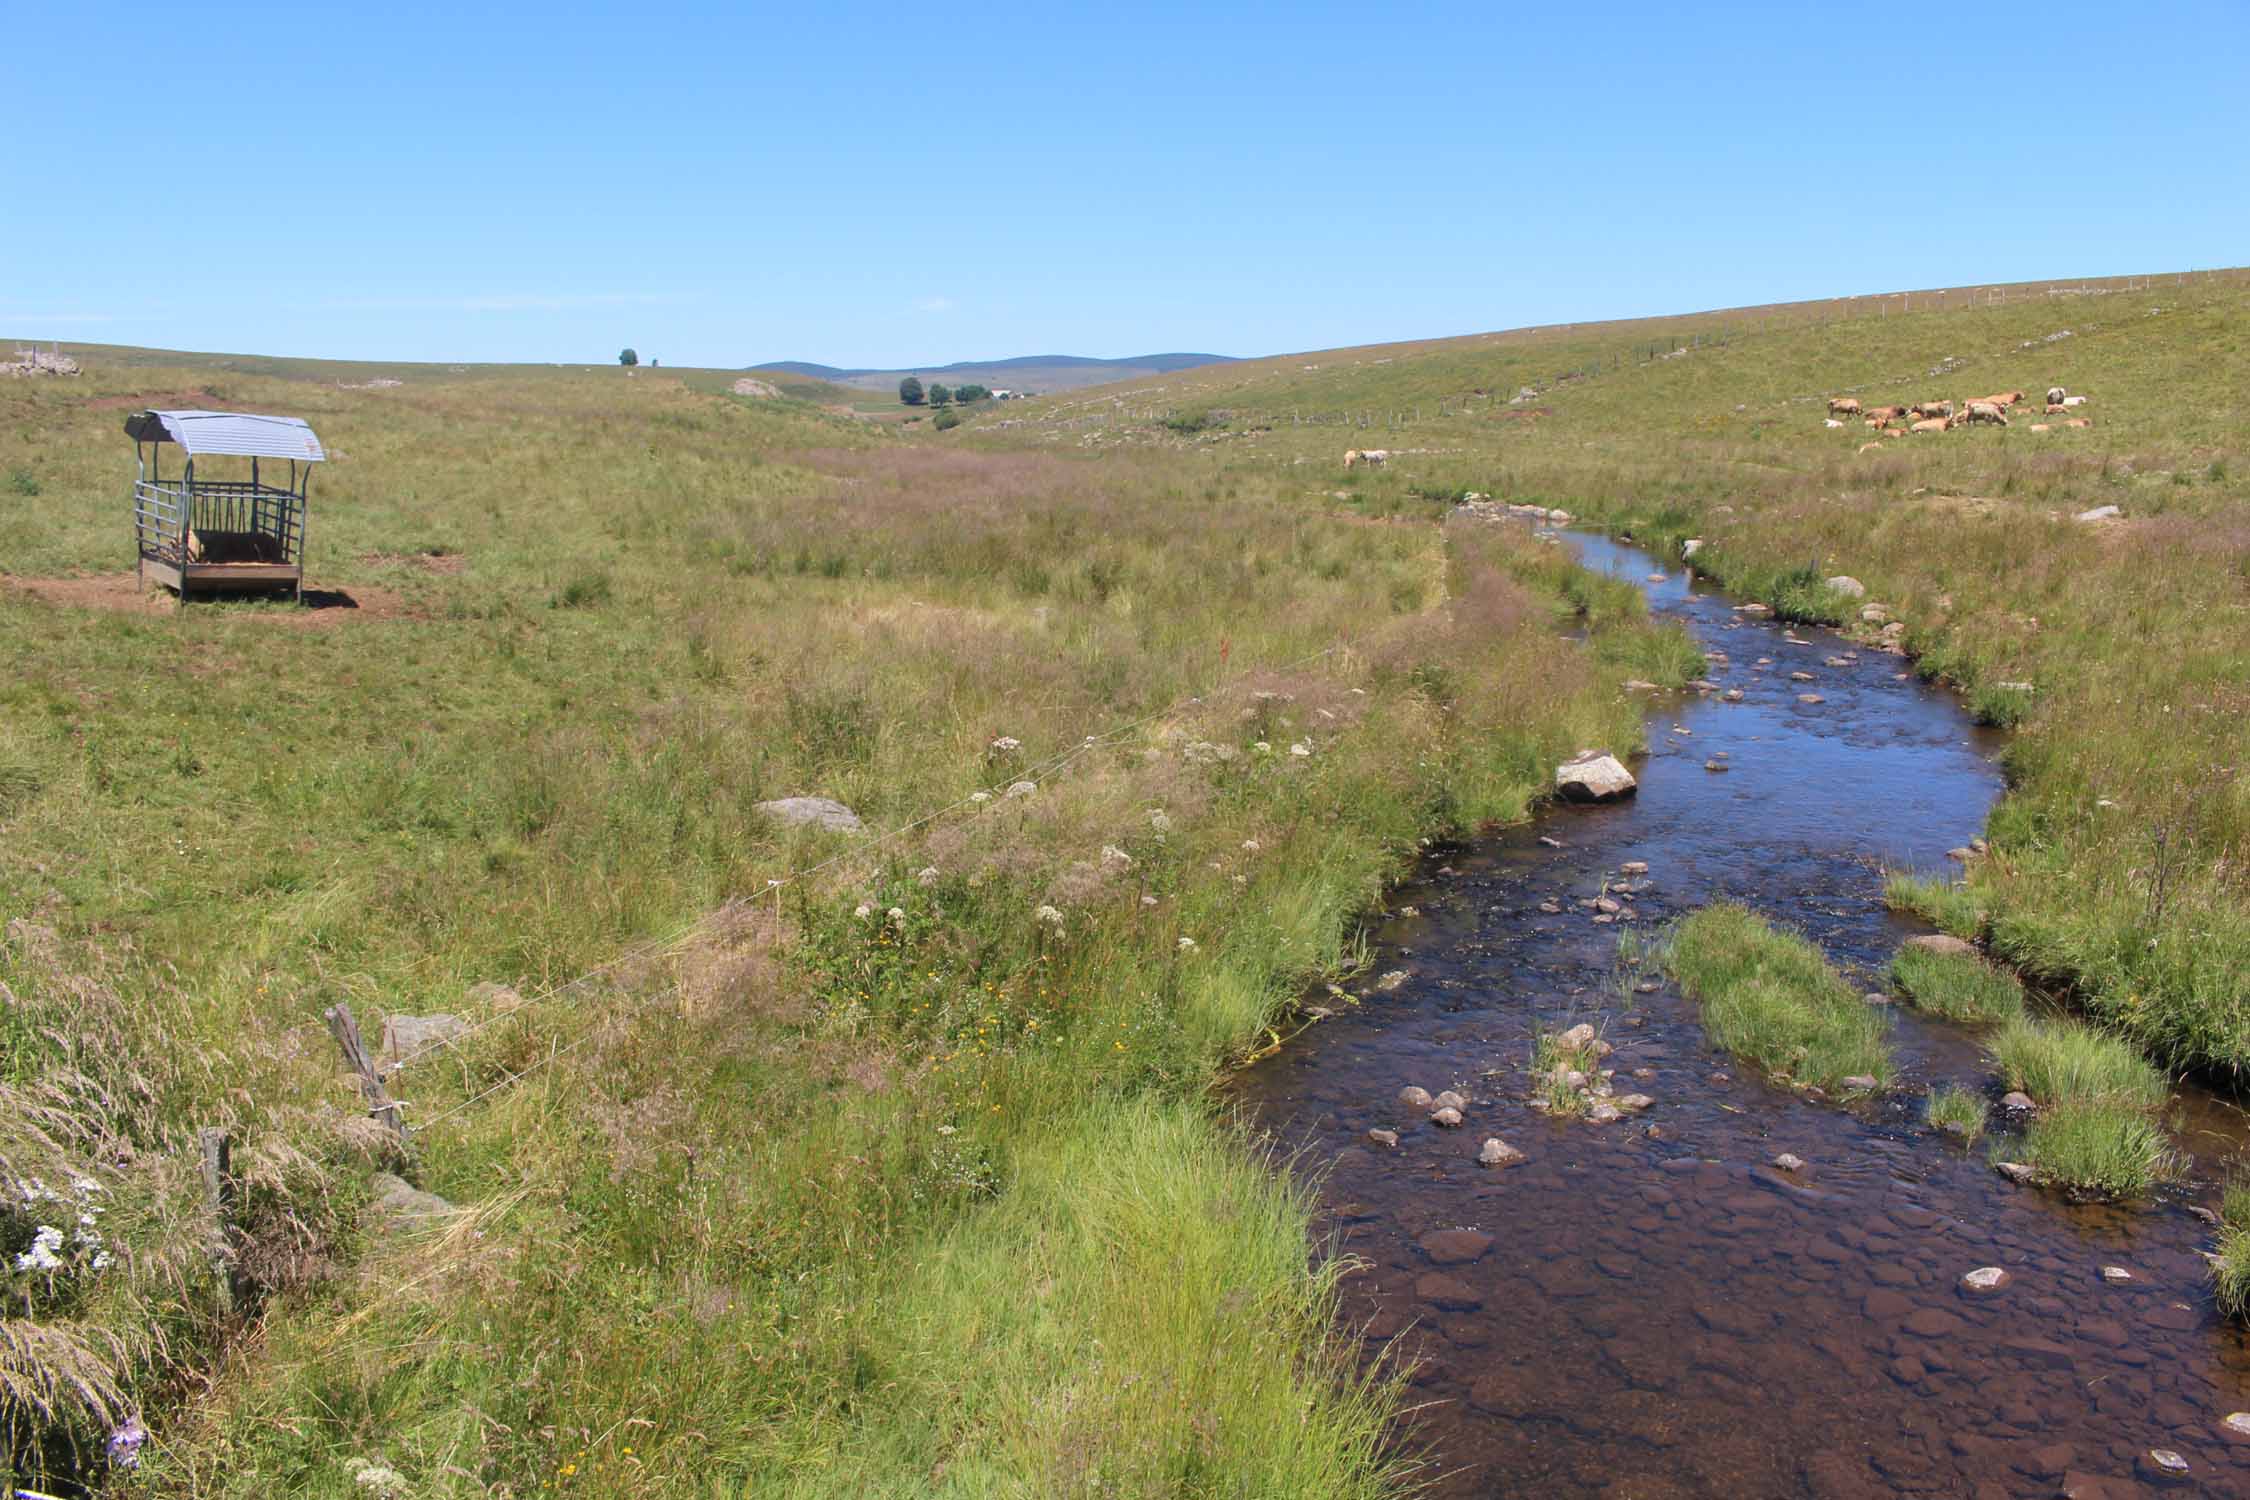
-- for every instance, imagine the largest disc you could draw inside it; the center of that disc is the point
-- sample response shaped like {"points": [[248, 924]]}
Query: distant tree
{"points": [[940, 396], [627, 357], [967, 393], [910, 392]]}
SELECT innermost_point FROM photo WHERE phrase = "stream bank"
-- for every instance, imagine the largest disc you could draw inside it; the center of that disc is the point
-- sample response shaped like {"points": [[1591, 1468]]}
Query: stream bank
{"points": [[1649, 1308]]}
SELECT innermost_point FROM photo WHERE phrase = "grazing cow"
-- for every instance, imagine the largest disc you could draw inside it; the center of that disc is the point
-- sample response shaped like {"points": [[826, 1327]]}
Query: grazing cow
{"points": [[1830, 422], [2056, 408], [1932, 424], [2074, 400], [1891, 432], [1842, 406], [1886, 411], [2042, 427], [2054, 395], [2079, 422], [1372, 457], [2003, 400], [1933, 408], [1985, 411], [1870, 447]]}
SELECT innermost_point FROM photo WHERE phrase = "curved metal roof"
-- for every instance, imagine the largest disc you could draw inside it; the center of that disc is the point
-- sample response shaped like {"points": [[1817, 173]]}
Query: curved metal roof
{"points": [[241, 433]]}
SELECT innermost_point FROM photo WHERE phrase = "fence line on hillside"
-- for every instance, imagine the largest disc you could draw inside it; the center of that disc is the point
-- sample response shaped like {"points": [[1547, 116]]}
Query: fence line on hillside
{"points": [[983, 797]]}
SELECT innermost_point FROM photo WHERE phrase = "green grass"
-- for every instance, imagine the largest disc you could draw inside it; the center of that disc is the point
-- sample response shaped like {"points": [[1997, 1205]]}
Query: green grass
{"points": [[812, 1155], [1959, 987], [1957, 1111], [1770, 997], [2230, 1271], [2097, 1147], [1947, 905], [2064, 1063]]}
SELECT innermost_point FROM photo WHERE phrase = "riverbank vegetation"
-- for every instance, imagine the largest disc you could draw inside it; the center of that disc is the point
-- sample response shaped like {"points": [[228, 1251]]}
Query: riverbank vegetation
{"points": [[1770, 998], [1957, 986]]}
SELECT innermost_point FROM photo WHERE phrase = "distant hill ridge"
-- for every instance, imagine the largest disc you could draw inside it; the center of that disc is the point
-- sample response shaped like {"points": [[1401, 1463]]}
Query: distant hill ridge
{"points": [[1046, 372]]}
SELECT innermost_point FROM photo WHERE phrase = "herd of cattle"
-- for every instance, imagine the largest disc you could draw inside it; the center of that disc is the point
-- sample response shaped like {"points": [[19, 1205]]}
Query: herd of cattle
{"points": [[1373, 458], [1942, 416]]}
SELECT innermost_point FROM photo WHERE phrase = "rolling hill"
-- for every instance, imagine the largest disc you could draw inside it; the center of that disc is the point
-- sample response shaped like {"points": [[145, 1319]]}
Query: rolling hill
{"points": [[1038, 372]]}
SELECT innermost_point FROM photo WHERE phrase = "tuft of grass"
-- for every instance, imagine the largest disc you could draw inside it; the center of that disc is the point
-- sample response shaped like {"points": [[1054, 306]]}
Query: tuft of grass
{"points": [[1957, 1111], [1950, 906], [1771, 998], [2063, 1064], [2097, 1147], [2230, 1265], [1959, 987]]}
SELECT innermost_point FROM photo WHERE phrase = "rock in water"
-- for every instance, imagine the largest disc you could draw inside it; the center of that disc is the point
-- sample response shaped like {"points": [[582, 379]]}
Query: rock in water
{"points": [[2014, 1171], [1594, 776], [1498, 1153], [1414, 1097], [1449, 1100], [1986, 1279], [824, 812], [1789, 1161], [1448, 1117], [1383, 1137]]}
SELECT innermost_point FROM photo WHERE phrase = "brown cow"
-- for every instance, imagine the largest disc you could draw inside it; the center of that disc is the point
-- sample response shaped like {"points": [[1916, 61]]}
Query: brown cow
{"points": [[1891, 432], [1932, 424], [2056, 408], [1933, 408], [2003, 400], [1870, 447], [1842, 406], [1886, 411], [2041, 427], [2079, 422], [1985, 411]]}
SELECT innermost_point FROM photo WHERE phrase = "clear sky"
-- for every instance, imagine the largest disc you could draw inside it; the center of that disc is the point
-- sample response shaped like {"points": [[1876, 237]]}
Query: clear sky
{"points": [[903, 185]]}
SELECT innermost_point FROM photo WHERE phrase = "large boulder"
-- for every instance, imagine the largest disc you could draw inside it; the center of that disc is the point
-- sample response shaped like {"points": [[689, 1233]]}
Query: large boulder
{"points": [[823, 812], [1594, 776], [1848, 586], [406, 1036]]}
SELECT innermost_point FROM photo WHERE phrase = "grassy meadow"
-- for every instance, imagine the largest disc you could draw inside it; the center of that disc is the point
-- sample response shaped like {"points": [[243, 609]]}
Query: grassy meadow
{"points": [[908, 1163], [788, 1162], [2116, 650]]}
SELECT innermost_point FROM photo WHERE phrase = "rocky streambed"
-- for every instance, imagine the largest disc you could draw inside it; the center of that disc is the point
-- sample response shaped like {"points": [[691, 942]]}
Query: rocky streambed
{"points": [[1640, 1302]]}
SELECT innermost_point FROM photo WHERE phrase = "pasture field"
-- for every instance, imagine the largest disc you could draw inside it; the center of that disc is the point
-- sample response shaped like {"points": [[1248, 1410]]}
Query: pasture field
{"points": [[901, 1176], [2118, 650]]}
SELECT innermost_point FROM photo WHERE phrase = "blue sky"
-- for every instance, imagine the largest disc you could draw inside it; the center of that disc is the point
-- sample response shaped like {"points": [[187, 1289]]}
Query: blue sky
{"points": [[901, 185]]}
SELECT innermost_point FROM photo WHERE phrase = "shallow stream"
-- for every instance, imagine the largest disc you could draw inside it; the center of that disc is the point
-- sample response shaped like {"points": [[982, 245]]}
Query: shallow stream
{"points": [[1648, 1308]]}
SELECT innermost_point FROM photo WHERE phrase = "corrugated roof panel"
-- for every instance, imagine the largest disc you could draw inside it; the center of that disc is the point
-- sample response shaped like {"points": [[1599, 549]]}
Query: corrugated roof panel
{"points": [[242, 434]]}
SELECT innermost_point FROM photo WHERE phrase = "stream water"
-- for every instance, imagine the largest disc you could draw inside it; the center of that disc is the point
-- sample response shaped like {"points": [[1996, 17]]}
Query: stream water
{"points": [[1648, 1308]]}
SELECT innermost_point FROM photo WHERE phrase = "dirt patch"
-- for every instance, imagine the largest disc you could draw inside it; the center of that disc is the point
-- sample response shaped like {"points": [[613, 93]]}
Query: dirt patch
{"points": [[445, 564], [121, 593]]}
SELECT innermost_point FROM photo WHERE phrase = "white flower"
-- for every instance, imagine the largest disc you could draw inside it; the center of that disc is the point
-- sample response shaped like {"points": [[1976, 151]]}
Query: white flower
{"points": [[1007, 742], [1049, 915], [945, 1130], [1158, 821], [41, 1256], [980, 796], [84, 1186], [927, 875], [1148, 900], [1241, 880], [1251, 845], [1300, 748], [863, 911], [1022, 788], [101, 1260], [1263, 747], [1112, 855], [1187, 945]]}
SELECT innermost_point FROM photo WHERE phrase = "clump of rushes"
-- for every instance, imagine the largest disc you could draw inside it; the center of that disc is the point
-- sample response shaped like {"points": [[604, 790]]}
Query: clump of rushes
{"points": [[1957, 1111], [1553, 1061], [2230, 1267], [2062, 1063], [2098, 1147], [1944, 904], [1770, 998], [1957, 986]]}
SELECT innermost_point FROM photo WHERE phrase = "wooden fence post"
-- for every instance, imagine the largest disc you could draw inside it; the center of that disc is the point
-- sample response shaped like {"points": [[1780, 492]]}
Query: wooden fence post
{"points": [[218, 1192], [379, 1104]]}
